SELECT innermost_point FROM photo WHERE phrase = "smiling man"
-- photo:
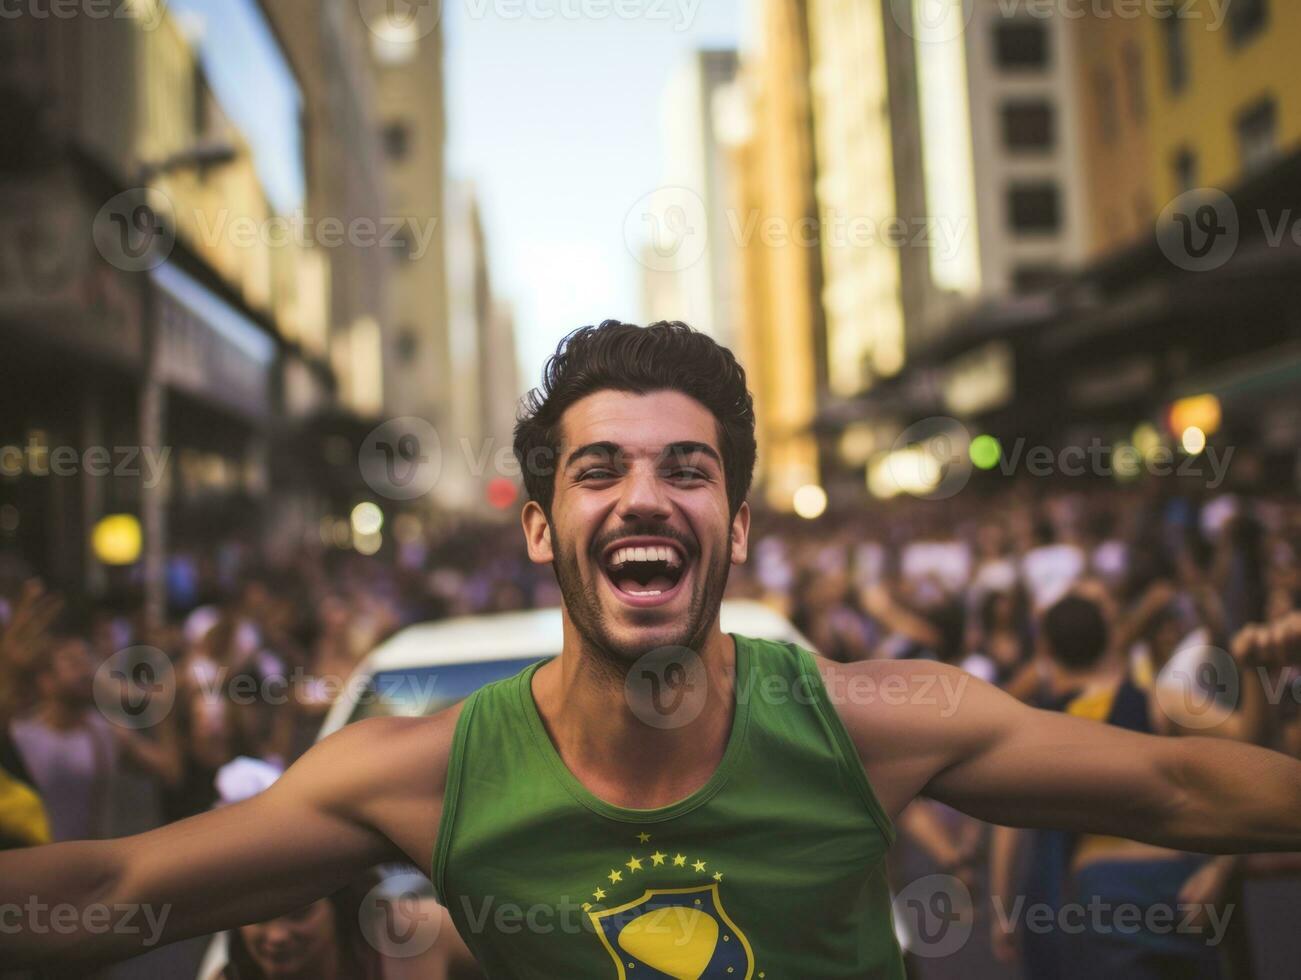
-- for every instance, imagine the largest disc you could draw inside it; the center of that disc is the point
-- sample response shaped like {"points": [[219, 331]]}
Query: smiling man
{"points": [[662, 799]]}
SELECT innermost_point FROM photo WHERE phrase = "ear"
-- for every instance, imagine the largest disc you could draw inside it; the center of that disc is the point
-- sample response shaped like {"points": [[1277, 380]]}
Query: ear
{"points": [[741, 534], [537, 533]]}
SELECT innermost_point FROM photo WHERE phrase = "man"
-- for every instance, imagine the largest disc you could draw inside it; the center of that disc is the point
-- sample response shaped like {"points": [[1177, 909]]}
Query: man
{"points": [[66, 745], [662, 799]]}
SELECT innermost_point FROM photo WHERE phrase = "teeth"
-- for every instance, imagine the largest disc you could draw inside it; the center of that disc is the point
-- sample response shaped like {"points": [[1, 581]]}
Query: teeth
{"points": [[652, 553], [656, 592]]}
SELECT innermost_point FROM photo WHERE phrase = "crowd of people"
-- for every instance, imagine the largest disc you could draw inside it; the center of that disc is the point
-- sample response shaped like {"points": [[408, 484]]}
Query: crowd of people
{"points": [[1131, 606]]}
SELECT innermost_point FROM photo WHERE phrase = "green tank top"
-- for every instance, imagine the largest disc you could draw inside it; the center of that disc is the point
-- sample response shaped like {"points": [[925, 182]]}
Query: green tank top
{"points": [[774, 869]]}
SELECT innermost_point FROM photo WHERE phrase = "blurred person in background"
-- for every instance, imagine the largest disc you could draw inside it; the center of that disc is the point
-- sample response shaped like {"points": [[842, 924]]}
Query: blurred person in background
{"points": [[1088, 677], [327, 941], [321, 941], [73, 753], [214, 725]]}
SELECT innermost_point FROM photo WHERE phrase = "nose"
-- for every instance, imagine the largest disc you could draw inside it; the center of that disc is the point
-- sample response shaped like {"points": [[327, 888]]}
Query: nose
{"points": [[278, 935], [643, 496]]}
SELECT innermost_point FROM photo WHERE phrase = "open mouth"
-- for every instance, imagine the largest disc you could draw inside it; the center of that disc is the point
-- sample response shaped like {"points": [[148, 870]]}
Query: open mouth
{"points": [[645, 572]]}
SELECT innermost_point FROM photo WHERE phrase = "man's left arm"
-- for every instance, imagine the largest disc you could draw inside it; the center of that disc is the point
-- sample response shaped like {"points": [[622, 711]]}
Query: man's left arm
{"points": [[946, 735]]}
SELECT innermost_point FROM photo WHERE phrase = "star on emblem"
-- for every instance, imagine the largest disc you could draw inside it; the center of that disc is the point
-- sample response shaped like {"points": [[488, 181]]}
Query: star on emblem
{"points": [[643, 837], [718, 876], [657, 858], [634, 864], [615, 876], [599, 894], [698, 866], [679, 860]]}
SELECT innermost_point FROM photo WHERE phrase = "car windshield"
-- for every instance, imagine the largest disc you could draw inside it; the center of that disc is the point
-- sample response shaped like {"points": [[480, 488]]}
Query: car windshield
{"points": [[417, 691]]}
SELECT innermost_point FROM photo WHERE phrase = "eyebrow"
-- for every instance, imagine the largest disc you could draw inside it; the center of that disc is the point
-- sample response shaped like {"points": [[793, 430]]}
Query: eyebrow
{"points": [[605, 450], [687, 448], [608, 450]]}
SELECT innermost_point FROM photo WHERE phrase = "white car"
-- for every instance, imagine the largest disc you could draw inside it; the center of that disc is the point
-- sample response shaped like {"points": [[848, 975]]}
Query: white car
{"points": [[425, 668]]}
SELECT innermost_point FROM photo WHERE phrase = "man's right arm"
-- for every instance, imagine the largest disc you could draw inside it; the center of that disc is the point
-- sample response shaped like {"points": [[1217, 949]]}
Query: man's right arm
{"points": [[369, 794]]}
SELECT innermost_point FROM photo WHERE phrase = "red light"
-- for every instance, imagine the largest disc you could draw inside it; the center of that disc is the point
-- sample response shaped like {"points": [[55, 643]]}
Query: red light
{"points": [[501, 492]]}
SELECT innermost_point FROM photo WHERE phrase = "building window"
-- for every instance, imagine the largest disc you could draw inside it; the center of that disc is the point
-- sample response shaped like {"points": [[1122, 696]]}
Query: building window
{"points": [[1247, 19], [199, 101], [397, 140], [1104, 98], [1034, 208], [1029, 127], [1134, 81], [408, 346], [1021, 45], [1258, 135], [1185, 170], [1176, 54]]}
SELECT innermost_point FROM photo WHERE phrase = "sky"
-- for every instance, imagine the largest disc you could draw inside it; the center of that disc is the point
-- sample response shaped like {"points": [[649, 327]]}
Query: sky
{"points": [[557, 122], [254, 83], [554, 114]]}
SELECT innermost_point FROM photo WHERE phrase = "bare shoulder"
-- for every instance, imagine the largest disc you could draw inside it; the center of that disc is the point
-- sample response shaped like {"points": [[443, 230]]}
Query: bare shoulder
{"points": [[910, 719], [384, 773], [895, 692]]}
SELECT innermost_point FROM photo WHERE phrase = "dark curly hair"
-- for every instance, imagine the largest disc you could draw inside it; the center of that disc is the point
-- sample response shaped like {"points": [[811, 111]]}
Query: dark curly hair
{"points": [[665, 356]]}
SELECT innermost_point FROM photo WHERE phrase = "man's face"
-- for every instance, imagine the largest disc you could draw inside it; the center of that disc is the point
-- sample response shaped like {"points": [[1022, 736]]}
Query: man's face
{"points": [[640, 535], [71, 674]]}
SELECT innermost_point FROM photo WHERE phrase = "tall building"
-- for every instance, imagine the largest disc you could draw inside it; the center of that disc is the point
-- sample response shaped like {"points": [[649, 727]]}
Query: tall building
{"points": [[408, 60], [696, 104], [1030, 193], [329, 46], [866, 132], [1226, 103], [947, 170], [1116, 117], [778, 313], [477, 442]]}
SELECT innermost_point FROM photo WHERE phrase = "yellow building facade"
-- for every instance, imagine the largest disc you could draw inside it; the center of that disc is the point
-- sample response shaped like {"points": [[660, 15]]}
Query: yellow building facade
{"points": [[777, 339], [1231, 72], [1203, 99]]}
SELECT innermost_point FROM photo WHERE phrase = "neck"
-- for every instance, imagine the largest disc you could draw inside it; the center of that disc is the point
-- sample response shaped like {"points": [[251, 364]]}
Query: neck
{"points": [[596, 715], [1105, 673]]}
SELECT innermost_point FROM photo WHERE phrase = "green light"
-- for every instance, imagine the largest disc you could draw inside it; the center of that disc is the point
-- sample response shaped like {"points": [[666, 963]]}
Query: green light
{"points": [[985, 452]]}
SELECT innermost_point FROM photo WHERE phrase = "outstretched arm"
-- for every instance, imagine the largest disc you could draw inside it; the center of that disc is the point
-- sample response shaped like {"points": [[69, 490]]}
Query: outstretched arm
{"points": [[370, 793], [944, 734]]}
